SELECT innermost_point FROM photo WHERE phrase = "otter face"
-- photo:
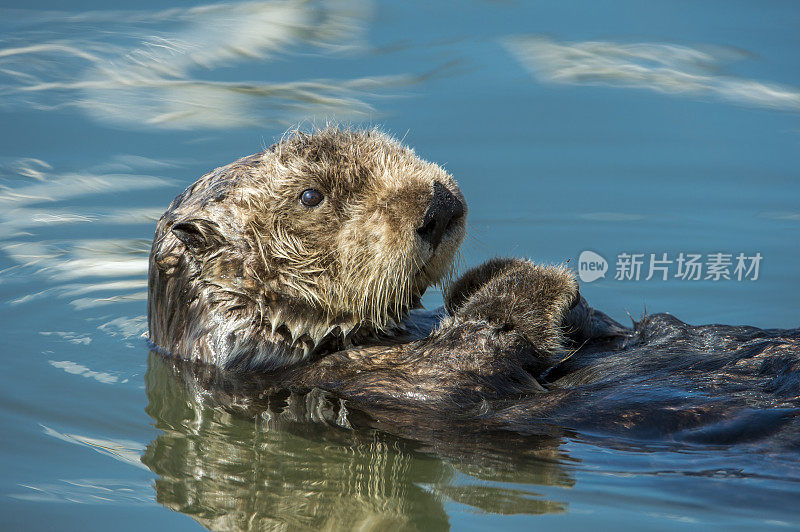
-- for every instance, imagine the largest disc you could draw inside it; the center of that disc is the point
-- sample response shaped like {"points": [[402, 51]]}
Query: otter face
{"points": [[321, 241]]}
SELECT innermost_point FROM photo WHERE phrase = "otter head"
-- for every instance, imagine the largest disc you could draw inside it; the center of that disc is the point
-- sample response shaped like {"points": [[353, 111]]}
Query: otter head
{"points": [[321, 241]]}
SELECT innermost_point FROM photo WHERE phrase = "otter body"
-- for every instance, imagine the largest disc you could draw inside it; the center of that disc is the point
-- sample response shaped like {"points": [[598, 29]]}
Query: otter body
{"points": [[303, 265]]}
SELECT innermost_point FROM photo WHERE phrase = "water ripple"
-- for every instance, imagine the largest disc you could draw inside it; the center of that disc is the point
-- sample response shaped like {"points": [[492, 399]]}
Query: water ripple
{"points": [[141, 69], [665, 68], [89, 271]]}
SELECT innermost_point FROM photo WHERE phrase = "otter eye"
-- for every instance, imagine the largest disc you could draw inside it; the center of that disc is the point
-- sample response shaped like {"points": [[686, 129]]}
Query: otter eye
{"points": [[311, 197]]}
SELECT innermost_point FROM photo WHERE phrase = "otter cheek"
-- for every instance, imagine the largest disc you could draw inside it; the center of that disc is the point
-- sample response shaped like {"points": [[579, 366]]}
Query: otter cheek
{"points": [[366, 261]]}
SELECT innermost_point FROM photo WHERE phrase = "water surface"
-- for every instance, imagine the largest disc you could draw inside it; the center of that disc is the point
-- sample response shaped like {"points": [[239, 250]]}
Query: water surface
{"points": [[666, 127]]}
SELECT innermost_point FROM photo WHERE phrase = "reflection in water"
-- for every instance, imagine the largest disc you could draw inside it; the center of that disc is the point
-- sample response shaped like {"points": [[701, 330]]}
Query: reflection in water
{"points": [[238, 459], [87, 491], [661, 67], [92, 490], [122, 450], [140, 68], [79, 369]]}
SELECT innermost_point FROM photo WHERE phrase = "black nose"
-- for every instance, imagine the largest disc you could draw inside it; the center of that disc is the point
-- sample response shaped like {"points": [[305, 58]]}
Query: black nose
{"points": [[444, 209]]}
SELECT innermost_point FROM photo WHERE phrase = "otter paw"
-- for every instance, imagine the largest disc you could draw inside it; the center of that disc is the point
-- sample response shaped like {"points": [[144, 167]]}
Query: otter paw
{"points": [[518, 295], [475, 279]]}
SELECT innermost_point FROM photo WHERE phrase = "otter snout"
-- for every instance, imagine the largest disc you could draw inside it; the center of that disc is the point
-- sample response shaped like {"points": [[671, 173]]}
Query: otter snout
{"points": [[444, 209]]}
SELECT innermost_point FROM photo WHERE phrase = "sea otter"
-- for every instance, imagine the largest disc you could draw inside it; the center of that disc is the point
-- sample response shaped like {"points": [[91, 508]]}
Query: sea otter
{"points": [[306, 263]]}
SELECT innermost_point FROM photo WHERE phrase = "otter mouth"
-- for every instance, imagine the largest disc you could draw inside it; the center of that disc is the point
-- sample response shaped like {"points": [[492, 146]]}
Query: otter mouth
{"points": [[442, 263]]}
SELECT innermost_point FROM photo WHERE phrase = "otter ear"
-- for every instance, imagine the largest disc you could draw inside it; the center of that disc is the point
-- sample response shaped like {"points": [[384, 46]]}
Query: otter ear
{"points": [[197, 235]]}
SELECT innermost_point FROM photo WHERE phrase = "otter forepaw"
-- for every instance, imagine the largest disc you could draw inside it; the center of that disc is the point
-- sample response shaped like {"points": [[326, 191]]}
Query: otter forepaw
{"points": [[518, 295], [474, 280]]}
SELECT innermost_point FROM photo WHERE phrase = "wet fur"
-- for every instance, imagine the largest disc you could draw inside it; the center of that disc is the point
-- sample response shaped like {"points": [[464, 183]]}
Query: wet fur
{"points": [[515, 346], [242, 275]]}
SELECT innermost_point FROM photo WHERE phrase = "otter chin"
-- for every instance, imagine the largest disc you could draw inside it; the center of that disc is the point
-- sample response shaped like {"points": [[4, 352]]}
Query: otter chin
{"points": [[322, 242]]}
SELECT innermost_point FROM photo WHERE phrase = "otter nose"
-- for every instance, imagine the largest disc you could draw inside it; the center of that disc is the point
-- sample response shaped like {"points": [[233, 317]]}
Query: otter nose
{"points": [[444, 209]]}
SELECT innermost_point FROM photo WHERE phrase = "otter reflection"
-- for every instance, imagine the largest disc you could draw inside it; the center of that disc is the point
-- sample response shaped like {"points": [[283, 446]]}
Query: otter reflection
{"points": [[237, 454]]}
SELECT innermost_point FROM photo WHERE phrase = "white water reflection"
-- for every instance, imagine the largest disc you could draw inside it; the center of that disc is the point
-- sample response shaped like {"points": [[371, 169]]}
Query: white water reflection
{"points": [[58, 187], [90, 271], [78, 369], [75, 259], [69, 336], [125, 327], [88, 491], [142, 68], [661, 67], [126, 451]]}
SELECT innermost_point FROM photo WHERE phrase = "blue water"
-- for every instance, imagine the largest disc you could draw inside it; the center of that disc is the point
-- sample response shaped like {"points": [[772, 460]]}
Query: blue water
{"points": [[615, 127]]}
